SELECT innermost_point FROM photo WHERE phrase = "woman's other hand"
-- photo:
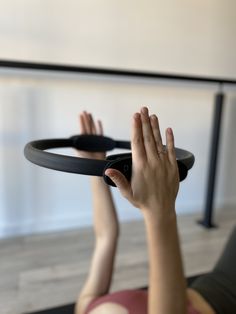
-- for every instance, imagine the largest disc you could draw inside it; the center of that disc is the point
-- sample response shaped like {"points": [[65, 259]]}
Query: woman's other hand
{"points": [[89, 127]]}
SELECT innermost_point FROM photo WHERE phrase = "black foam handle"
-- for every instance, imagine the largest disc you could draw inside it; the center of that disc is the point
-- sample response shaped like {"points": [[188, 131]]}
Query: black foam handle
{"points": [[121, 162], [93, 143]]}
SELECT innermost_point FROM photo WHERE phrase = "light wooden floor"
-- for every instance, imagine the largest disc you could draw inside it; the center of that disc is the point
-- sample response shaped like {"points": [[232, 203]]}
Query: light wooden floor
{"points": [[42, 271]]}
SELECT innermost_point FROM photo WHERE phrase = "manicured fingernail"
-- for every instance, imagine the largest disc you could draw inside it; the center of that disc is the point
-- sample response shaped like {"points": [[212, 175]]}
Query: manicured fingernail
{"points": [[144, 110], [169, 130], [108, 173], [153, 117], [136, 116]]}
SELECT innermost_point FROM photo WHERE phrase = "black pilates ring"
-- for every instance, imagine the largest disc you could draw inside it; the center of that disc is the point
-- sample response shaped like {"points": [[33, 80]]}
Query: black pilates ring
{"points": [[35, 152]]}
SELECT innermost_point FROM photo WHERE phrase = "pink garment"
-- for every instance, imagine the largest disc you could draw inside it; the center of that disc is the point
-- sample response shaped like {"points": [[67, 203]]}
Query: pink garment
{"points": [[135, 301]]}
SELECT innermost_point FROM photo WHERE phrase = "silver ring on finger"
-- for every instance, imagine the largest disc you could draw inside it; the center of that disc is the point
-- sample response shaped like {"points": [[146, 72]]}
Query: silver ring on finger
{"points": [[161, 152]]}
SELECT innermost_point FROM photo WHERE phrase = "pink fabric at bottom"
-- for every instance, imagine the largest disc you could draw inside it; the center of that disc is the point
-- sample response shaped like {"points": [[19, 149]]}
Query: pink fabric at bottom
{"points": [[135, 301]]}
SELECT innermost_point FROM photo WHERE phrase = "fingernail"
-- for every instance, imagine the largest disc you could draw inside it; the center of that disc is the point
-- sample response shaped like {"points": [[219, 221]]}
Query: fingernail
{"points": [[110, 175], [169, 130], [136, 116], [144, 110], [153, 117]]}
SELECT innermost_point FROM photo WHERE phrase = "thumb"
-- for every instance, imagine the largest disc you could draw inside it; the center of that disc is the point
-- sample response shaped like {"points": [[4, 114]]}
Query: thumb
{"points": [[120, 181]]}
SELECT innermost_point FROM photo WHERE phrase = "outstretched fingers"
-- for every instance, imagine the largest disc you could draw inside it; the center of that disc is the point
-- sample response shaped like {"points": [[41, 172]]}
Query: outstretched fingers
{"points": [[88, 126], [170, 145], [91, 124], [148, 136], [84, 121], [81, 124], [99, 127], [156, 133], [137, 145]]}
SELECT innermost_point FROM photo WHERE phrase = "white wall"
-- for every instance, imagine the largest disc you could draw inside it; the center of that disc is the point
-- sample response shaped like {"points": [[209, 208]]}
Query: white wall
{"points": [[175, 36], [37, 199], [183, 36]]}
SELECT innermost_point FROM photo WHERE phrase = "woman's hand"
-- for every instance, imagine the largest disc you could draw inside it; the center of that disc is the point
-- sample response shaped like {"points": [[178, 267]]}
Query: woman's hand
{"points": [[88, 126], [155, 179]]}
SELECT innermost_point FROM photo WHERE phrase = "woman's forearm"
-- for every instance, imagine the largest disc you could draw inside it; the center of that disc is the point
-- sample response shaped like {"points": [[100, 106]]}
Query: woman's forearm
{"points": [[106, 235], [167, 287], [153, 189], [105, 216]]}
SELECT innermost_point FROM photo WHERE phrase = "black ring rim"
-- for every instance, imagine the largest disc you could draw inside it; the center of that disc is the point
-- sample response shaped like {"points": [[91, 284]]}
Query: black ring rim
{"points": [[35, 152]]}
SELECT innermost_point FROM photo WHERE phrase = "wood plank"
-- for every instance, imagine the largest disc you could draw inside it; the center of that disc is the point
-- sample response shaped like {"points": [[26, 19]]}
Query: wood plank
{"points": [[47, 270]]}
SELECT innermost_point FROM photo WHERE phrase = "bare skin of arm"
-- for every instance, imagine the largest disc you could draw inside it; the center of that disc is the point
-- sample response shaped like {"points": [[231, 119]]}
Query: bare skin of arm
{"points": [[106, 228], [153, 189], [106, 236]]}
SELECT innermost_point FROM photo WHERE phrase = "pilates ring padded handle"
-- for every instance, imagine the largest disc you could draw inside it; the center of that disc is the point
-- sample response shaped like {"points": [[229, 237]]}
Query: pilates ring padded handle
{"points": [[35, 152], [97, 143], [123, 163]]}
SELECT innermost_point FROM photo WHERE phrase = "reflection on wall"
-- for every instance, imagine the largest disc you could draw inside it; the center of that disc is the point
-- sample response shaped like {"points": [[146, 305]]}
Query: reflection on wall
{"points": [[34, 199]]}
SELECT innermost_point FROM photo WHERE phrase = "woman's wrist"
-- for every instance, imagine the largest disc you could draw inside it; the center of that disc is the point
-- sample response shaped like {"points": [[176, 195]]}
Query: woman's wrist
{"points": [[159, 215]]}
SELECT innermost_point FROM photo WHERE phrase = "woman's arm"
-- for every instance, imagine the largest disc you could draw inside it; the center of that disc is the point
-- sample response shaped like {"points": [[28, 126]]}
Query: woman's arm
{"points": [[106, 229], [153, 188], [106, 232], [167, 287]]}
